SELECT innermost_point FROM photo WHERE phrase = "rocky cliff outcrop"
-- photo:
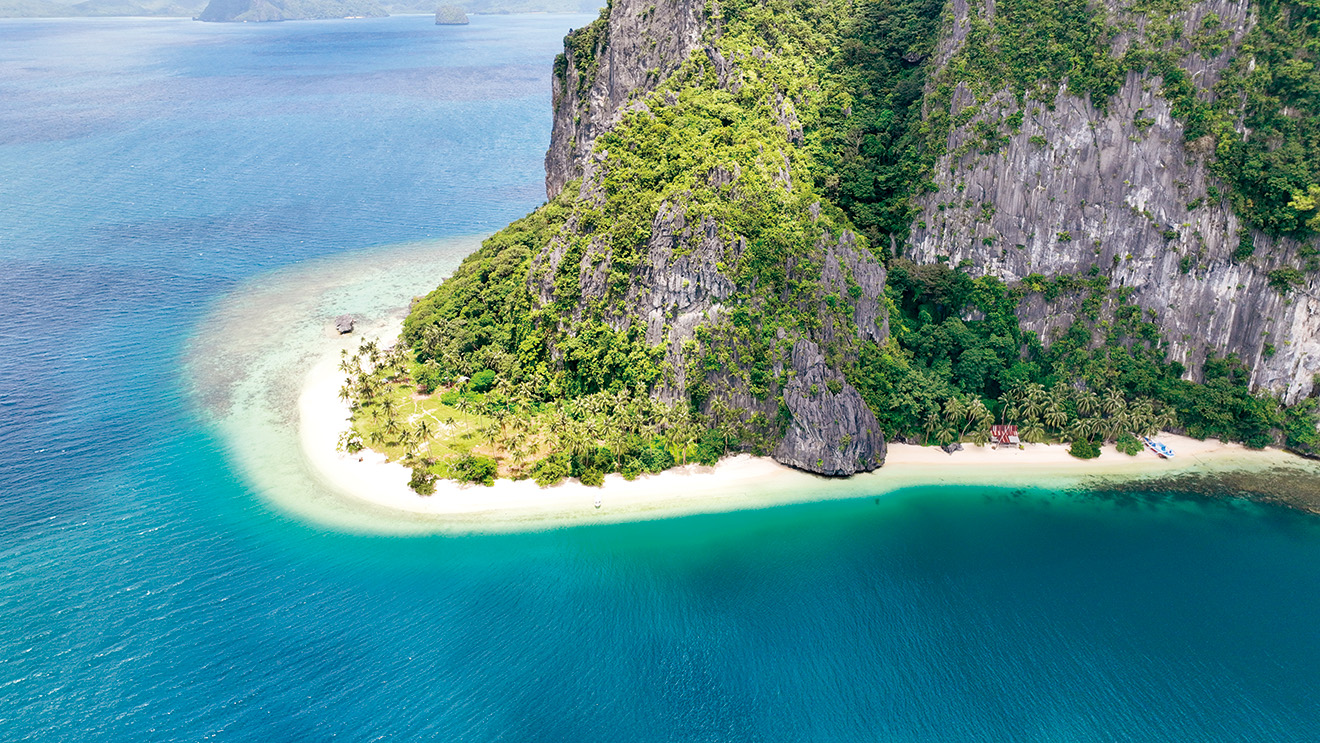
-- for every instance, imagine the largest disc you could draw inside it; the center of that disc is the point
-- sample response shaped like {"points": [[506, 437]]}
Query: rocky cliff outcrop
{"points": [[632, 48], [688, 281], [1082, 187], [833, 432]]}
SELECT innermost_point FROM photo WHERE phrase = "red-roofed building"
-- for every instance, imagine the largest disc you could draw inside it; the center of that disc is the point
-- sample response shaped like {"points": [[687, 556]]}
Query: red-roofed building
{"points": [[1004, 434]]}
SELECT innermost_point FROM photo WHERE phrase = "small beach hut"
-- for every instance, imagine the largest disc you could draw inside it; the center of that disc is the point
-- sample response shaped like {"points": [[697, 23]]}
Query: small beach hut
{"points": [[1004, 434]]}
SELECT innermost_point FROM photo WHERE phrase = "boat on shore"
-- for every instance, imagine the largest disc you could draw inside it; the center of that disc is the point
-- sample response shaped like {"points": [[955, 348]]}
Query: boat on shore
{"points": [[1161, 450]]}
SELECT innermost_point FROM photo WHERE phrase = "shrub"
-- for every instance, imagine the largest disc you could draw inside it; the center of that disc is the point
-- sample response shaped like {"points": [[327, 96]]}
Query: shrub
{"points": [[1129, 444], [475, 468], [429, 376], [1083, 449], [1258, 440], [1246, 246], [350, 442], [422, 481], [708, 454], [632, 468], [1283, 279], [482, 381], [552, 470], [656, 459], [592, 478]]}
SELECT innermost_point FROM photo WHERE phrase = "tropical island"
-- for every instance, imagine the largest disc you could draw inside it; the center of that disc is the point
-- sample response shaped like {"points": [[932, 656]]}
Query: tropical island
{"points": [[807, 230]]}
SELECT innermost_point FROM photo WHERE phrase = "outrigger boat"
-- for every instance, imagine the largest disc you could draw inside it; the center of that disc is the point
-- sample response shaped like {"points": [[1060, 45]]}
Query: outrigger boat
{"points": [[1160, 450]]}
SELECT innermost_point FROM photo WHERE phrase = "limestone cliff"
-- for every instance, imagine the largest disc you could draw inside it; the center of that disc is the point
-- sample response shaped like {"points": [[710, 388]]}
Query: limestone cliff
{"points": [[1116, 188], [633, 47], [732, 183], [691, 275]]}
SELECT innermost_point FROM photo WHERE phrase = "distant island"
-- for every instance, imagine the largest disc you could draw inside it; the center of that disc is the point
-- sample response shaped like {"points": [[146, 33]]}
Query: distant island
{"points": [[275, 10], [450, 15], [289, 10], [100, 8]]}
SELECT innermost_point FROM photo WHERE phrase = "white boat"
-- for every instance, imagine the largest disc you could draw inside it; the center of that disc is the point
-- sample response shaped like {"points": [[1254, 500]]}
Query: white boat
{"points": [[598, 501], [1160, 449]]}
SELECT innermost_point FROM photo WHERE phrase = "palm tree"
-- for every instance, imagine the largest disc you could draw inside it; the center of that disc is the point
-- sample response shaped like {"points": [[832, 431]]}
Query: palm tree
{"points": [[1087, 402], [408, 438], [978, 416], [944, 432], [954, 410], [1033, 432], [685, 432], [1166, 418], [981, 435], [932, 424], [1085, 428], [490, 433], [1055, 416], [727, 430], [1114, 402], [617, 442], [1033, 403], [577, 439]]}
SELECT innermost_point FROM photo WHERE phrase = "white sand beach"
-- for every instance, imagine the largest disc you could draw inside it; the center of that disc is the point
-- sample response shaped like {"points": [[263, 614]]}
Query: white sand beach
{"points": [[738, 482]]}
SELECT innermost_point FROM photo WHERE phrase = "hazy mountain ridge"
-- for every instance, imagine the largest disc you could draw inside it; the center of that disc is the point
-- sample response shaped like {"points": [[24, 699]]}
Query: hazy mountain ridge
{"points": [[252, 10]]}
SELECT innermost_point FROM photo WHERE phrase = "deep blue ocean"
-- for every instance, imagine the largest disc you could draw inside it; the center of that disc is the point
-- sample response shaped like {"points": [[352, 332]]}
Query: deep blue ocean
{"points": [[151, 171]]}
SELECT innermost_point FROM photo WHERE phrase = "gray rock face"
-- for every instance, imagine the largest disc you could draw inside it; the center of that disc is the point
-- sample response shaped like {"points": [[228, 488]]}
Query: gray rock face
{"points": [[1096, 189], [681, 285], [832, 433], [643, 38], [344, 324]]}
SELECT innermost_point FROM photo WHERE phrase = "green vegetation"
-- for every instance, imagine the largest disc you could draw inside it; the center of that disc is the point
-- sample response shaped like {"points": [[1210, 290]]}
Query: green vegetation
{"points": [[532, 360], [459, 432], [1083, 449], [1128, 444], [1273, 87], [944, 375], [869, 141]]}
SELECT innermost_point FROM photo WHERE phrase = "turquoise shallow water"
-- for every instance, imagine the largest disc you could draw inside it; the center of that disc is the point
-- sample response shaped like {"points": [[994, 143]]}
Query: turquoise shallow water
{"points": [[152, 171]]}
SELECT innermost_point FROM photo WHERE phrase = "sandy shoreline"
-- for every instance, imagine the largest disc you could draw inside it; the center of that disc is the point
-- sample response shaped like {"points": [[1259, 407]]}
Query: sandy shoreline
{"points": [[735, 483]]}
